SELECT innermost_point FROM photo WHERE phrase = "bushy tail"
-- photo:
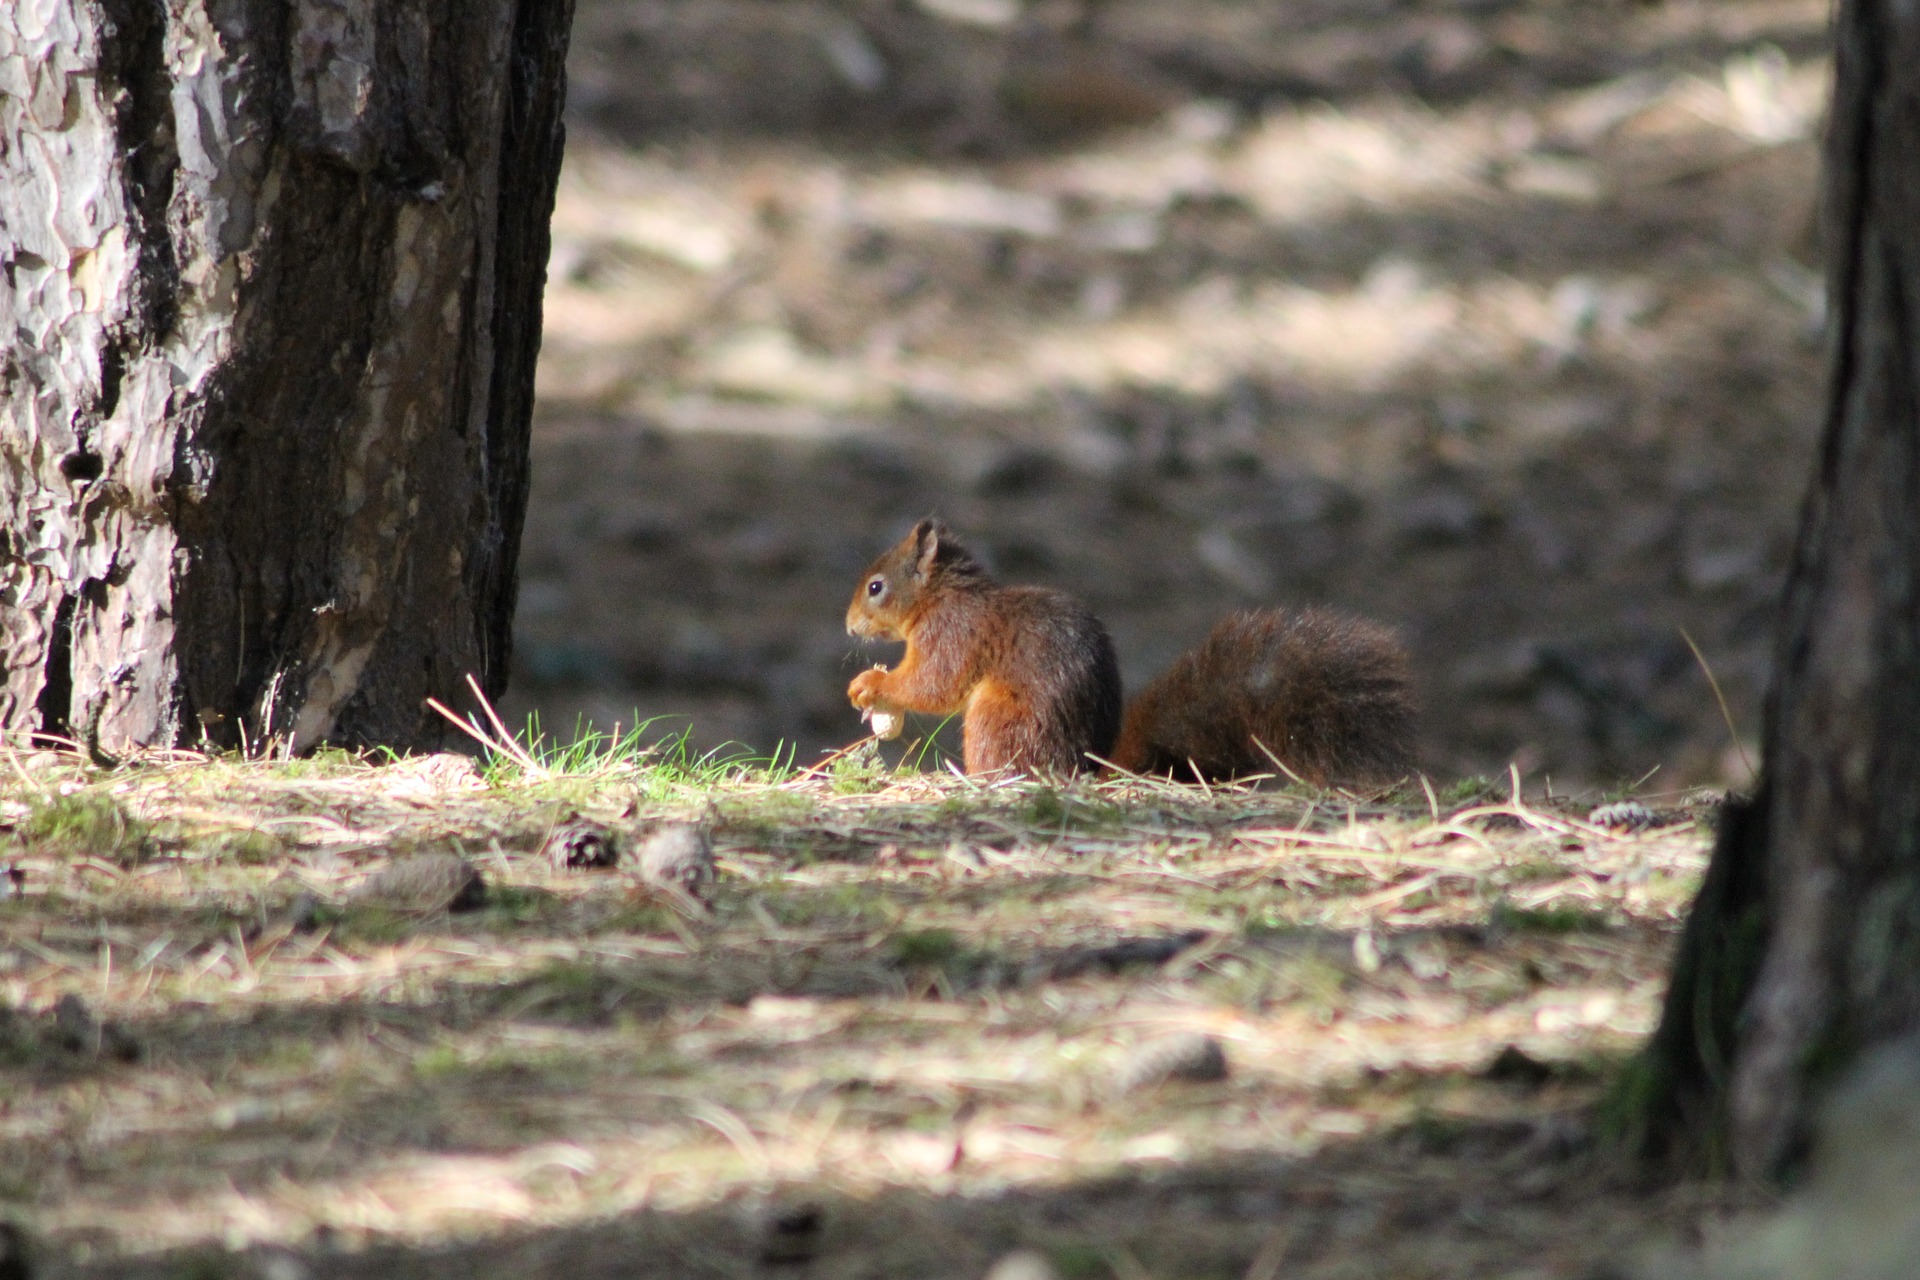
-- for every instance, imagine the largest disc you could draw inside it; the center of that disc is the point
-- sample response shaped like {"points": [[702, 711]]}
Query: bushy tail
{"points": [[1327, 695]]}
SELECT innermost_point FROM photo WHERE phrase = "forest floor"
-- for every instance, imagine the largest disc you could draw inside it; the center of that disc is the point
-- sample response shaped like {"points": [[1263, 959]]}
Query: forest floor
{"points": [[1497, 320], [922, 1023]]}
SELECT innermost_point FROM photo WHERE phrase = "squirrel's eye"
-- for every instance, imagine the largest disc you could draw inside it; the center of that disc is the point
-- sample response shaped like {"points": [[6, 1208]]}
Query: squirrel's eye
{"points": [[875, 587]]}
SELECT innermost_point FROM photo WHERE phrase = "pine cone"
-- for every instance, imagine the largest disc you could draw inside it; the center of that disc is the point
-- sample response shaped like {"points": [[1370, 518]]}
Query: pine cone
{"points": [[679, 855], [580, 844], [1623, 815]]}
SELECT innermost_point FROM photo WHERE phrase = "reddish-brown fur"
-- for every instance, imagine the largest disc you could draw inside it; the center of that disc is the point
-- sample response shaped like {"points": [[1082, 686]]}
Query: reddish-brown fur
{"points": [[1327, 695], [1032, 670]]}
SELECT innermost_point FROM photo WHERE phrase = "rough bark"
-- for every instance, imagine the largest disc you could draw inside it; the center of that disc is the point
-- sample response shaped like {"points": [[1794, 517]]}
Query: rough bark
{"points": [[271, 304], [1804, 948]]}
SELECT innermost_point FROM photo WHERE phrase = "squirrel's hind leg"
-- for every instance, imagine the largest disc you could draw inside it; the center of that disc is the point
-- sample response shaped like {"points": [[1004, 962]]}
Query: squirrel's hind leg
{"points": [[991, 735], [1004, 731]]}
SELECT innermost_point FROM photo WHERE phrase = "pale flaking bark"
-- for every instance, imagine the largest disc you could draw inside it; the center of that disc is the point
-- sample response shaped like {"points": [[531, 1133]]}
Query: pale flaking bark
{"points": [[270, 309]]}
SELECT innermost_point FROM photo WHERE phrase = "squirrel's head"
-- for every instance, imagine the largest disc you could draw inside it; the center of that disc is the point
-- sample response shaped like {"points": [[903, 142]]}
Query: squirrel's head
{"points": [[894, 585]]}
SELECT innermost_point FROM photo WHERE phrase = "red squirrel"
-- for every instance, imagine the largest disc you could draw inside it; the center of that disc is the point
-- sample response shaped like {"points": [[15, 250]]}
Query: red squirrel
{"points": [[1314, 693]]}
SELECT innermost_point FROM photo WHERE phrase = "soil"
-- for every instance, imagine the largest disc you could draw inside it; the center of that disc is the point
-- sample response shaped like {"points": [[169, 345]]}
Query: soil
{"points": [[1497, 321]]}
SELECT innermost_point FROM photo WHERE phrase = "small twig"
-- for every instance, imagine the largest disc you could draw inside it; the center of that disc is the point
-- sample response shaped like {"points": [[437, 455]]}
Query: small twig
{"points": [[814, 770], [961, 774], [1519, 812], [469, 728], [1725, 714], [1404, 889], [503, 744], [1433, 801], [13, 758], [1280, 764], [514, 749]]}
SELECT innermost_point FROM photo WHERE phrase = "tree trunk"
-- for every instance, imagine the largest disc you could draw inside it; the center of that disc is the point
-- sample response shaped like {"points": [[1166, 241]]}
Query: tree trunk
{"points": [[271, 307], [1804, 948]]}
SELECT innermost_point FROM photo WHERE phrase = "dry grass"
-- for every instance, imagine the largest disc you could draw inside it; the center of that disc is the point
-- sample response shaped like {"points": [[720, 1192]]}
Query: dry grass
{"points": [[910, 1005]]}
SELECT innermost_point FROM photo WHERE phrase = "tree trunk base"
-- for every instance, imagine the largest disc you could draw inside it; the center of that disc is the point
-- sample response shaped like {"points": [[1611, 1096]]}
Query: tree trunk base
{"points": [[278, 271]]}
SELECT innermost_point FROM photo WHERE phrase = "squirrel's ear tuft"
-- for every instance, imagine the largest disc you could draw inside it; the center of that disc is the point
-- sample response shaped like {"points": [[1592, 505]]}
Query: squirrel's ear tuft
{"points": [[927, 536]]}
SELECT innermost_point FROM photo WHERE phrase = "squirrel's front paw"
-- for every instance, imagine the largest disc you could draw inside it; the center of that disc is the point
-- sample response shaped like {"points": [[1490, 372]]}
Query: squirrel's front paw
{"points": [[865, 689], [864, 693]]}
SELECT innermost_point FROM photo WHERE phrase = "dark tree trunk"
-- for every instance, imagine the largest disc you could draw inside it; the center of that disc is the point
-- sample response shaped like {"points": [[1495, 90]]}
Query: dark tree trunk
{"points": [[1804, 948], [271, 306]]}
